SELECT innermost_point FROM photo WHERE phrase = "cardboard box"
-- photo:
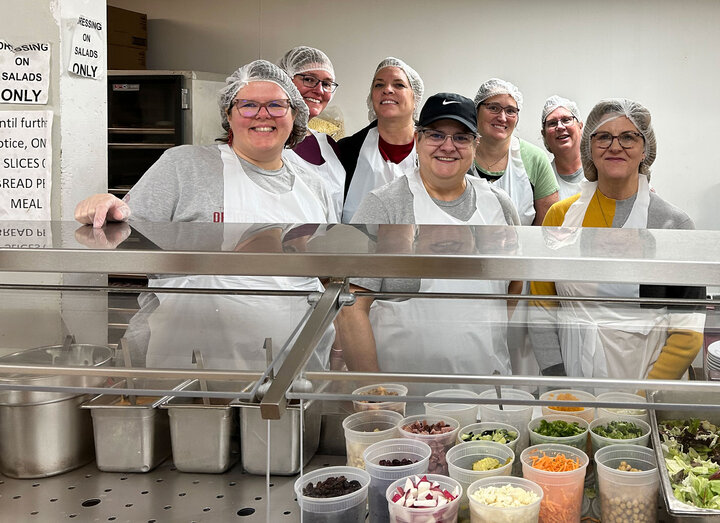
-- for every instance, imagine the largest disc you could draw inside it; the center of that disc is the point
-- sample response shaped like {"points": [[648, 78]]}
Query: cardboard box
{"points": [[126, 28], [123, 57]]}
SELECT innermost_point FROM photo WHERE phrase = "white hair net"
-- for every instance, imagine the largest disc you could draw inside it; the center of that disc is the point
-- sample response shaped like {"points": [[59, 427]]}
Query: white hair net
{"points": [[609, 109], [301, 59], [496, 86], [264, 71], [416, 84], [556, 101]]}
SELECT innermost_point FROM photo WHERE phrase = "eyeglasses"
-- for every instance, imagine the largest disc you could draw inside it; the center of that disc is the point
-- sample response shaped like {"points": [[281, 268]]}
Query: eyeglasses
{"points": [[274, 108], [566, 121], [310, 81], [627, 140], [510, 111], [436, 138]]}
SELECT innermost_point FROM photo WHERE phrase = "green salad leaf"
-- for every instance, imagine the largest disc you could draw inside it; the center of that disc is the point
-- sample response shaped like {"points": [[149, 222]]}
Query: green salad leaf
{"points": [[619, 429]]}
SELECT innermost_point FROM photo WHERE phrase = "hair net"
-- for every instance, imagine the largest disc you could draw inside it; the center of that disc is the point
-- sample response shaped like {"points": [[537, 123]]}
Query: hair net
{"points": [[609, 109], [556, 101], [416, 84], [496, 86], [303, 58], [263, 71]]}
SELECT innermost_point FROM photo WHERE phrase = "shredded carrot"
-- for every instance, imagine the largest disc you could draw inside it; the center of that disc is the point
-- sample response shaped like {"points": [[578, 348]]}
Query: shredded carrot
{"points": [[566, 396], [558, 463]]}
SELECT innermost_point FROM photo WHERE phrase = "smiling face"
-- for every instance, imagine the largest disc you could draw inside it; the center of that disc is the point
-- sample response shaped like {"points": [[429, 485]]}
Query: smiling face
{"points": [[617, 165], [444, 165], [260, 139], [562, 139], [392, 96], [496, 127], [314, 97]]}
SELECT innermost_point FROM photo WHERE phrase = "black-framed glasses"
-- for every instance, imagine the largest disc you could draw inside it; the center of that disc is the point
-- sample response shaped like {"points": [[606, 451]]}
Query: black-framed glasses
{"points": [[510, 111], [250, 108], [310, 81], [436, 138], [627, 140], [566, 121]]}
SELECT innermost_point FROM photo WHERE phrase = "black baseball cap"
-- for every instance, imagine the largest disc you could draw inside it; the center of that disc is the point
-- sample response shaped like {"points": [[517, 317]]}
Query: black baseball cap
{"points": [[449, 105]]}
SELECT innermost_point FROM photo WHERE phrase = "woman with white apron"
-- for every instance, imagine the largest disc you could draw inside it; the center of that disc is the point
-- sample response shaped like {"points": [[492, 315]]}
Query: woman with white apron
{"points": [[244, 181], [621, 340], [313, 74], [561, 129], [385, 150]]}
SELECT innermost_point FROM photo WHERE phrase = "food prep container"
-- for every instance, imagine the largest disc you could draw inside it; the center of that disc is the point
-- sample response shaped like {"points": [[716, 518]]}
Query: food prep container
{"points": [[397, 406], [679, 510], [627, 496], [579, 441], [625, 397], [460, 461], [382, 476], [285, 455], [362, 429], [516, 415], [131, 438], [439, 443], [204, 438], [586, 413], [447, 513], [29, 417], [483, 513], [563, 491], [599, 442], [349, 508], [464, 413], [479, 428]]}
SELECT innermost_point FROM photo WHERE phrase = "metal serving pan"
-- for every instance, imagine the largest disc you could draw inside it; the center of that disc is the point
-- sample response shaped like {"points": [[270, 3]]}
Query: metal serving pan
{"points": [[681, 511]]}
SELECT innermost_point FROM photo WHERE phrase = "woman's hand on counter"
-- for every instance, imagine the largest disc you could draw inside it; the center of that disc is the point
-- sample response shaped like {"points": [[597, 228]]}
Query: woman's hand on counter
{"points": [[99, 208]]}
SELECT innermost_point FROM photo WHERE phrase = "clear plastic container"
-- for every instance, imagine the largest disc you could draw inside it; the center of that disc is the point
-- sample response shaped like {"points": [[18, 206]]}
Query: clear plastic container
{"points": [[482, 513], [599, 442], [460, 461], [516, 415], [624, 397], [381, 476], [627, 496], [447, 513], [439, 443], [579, 441], [464, 413], [381, 404], [478, 428], [362, 429], [563, 491], [586, 413], [349, 508]]}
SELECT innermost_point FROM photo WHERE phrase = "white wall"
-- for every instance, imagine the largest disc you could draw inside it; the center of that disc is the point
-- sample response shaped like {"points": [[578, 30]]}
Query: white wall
{"points": [[663, 53]]}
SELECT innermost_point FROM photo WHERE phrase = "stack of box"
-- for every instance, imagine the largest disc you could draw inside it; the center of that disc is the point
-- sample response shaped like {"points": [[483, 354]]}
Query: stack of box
{"points": [[127, 39]]}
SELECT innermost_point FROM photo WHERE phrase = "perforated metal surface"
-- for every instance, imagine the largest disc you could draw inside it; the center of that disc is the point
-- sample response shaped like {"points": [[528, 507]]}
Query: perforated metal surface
{"points": [[162, 495]]}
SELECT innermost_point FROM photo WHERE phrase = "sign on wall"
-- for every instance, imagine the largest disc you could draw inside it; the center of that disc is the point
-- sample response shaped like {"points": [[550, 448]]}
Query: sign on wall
{"points": [[25, 165], [86, 57], [24, 73]]}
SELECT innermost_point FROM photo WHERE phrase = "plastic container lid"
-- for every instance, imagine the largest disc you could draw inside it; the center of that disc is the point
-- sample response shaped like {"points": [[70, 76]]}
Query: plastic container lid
{"points": [[488, 425], [397, 406], [482, 513], [461, 457], [447, 512], [622, 397], [332, 505], [362, 429], [587, 413], [599, 442], [578, 441], [464, 413]]}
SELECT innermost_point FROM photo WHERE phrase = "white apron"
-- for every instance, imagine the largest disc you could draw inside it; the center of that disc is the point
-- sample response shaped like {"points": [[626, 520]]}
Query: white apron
{"points": [[445, 336], [230, 330], [604, 339], [565, 189], [332, 171], [373, 171], [516, 183]]}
